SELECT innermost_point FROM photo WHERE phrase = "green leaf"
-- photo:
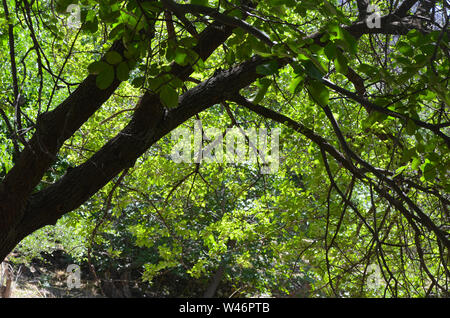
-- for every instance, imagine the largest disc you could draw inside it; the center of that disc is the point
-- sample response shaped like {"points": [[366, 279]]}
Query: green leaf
{"points": [[415, 163], [199, 66], [267, 68], [61, 5], [329, 8], [180, 56], [330, 51], [113, 57], [97, 67], [116, 31], [263, 87], [367, 69], [407, 154], [341, 63], [294, 83], [400, 170], [157, 82], [91, 25], [105, 78], [411, 127], [200, 2], [312, 70], [123, 71], [405, 48], [169, 96], [414, 36], [150, 6], [434, 157], [288, 3], [343, 38], [170, 51], [244, 50], [428, 170], [259, 47], [230, 57], [319, 92], [350, 40]]}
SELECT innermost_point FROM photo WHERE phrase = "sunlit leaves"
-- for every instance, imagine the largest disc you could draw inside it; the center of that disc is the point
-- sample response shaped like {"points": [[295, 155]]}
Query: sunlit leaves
{"points": [[263, 86], [343, 38], [428, 170], [273, 220], [341, 63], [123, 71]]}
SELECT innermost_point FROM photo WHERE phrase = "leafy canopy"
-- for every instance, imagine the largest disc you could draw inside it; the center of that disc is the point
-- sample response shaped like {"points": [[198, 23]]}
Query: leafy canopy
{"points": [[363, 180]]}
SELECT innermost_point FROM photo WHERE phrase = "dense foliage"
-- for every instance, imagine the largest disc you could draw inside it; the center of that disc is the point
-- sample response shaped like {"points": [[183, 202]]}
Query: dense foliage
{"points": [[358, 206]]}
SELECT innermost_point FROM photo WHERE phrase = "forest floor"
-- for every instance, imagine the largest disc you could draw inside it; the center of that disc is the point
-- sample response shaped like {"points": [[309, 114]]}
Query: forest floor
{"points": [[47, 278]]}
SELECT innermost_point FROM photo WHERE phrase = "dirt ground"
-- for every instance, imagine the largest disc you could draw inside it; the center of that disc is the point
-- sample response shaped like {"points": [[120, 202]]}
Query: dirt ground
{"points": [[48, 278]]}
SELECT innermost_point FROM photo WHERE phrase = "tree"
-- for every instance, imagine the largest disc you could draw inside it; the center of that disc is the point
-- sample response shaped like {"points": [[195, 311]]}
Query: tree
{"points": [[371, 98]]}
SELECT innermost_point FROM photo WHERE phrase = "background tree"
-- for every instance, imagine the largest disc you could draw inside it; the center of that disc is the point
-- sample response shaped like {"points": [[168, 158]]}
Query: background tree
{"points": [[87, 112]]}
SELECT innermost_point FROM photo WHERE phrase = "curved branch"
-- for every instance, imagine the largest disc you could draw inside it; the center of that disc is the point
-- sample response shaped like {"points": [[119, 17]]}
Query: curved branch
{"points": [[359, 173], [374, 107], [149, 124]]}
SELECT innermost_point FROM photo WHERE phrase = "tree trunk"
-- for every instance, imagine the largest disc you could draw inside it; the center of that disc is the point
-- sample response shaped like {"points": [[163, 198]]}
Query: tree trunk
{"points": [[214, 284]]}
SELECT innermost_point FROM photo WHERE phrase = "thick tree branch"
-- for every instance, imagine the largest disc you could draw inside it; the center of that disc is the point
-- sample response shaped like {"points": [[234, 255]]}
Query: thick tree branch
{"points": [[149, 124], [54, 127]]}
